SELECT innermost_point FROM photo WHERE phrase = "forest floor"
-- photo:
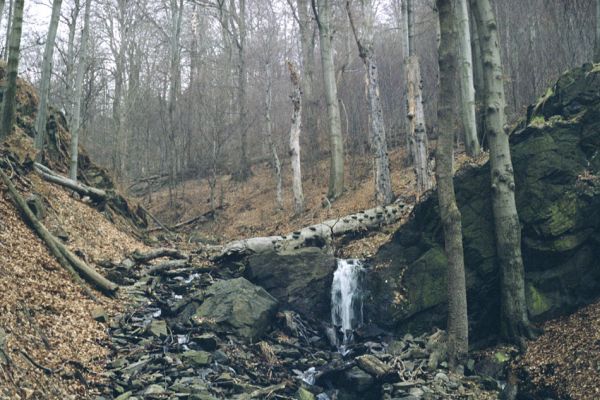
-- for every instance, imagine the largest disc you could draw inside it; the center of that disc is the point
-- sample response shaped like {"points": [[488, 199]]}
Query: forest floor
{"points": [[52, 348], [249, 208]]}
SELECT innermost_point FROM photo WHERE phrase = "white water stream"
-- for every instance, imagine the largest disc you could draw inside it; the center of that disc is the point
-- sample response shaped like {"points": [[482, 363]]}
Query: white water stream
{"points": [[346, 299]]}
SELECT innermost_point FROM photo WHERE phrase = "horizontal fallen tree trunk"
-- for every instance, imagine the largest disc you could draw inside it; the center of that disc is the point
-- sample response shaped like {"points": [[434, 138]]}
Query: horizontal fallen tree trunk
{"points": [[84, 190], [318, 235], [141, 258], [207, 216], [63, 255]]}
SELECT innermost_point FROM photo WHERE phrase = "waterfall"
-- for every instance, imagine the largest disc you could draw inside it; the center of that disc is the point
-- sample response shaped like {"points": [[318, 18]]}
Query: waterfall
{"points": [[346, 299]]}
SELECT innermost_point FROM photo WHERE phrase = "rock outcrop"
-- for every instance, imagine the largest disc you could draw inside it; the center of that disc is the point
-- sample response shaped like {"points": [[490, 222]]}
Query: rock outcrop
{"points": [[556, 165], [300, 280]]}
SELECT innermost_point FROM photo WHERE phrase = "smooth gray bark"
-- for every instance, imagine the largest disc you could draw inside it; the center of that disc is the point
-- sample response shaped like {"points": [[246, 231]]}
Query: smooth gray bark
{"points": [[12, 69], [458, 324], [322, 11], [40, 118], [81, 67], [597, 42], [271, 142], [467, 88], [295, 140], [515, 321]]}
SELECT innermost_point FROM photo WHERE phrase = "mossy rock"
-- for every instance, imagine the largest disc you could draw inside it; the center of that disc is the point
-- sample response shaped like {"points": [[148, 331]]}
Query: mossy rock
{"points": [[557, 179]]}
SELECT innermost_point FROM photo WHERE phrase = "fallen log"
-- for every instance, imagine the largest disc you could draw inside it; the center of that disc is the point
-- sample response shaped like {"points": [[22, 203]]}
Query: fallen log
{"points": [[318, 235], [64, 256], [95, 194], [142, 258], [373, 365], [156, 220], [202, 217]]}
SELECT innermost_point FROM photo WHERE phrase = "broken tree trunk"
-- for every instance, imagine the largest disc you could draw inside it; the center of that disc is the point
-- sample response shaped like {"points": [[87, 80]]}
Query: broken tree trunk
{"points": [[95, 194], [142, 258], [319, 235], [63, 255]]}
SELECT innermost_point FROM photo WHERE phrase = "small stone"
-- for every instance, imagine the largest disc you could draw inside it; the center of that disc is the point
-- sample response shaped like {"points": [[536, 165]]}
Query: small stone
{"points": [[124, 396], [207, 341], [99, 314], [440, 376], [158, 328], [417, 392], [220, 357], [154, 389], [303, 394], [198, 358]]}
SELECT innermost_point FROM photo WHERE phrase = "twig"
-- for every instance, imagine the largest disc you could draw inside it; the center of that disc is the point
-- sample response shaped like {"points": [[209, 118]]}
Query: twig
{"points": [[47, 371]]}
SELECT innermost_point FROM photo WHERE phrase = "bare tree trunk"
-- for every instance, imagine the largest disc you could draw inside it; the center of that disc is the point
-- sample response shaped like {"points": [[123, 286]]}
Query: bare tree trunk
{"points": [[597, 42], [515, 321], [478, 82], [417, 134], [467, 88], [322, 11], [458, 324], [383, 183], [83, 60], [295, 140], [307, 44], [271, 143], [416, 124], [12, 69], [2, 3], [11, 4], [40, 119], [70, 62]]}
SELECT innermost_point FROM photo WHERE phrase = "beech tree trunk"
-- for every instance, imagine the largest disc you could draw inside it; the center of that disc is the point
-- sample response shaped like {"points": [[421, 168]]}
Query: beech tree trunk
{"points": [[416, 125], [515, 321], [366, 51], [76, 128], [307, 45], [467, 88], [271, 143], [11, 4], [458, 324], [478, 82], [322, 11], [8, 102], [417, 134], [319, 235], [597, 42], [295, 140], [40, 118]]}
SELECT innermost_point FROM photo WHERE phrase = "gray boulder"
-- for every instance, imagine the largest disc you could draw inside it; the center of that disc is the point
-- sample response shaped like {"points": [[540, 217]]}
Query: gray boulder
{"points": [[239, 306]]}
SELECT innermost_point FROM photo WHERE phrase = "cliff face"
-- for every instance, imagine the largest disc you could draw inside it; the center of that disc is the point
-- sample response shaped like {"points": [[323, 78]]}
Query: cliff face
{"points": [[556, 164]]}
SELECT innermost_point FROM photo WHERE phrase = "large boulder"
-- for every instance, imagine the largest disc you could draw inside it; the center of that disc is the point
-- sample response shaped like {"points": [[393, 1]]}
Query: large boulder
{"points": [[556, 161], [239, 306], [300, 280]]}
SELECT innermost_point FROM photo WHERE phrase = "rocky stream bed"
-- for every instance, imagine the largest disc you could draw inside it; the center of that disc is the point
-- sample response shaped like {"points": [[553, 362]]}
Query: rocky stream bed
{"points": [[205, 332]]}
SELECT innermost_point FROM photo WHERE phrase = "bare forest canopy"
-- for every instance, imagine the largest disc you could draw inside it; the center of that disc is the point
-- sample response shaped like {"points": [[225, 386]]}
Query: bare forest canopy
{"points": [[163, 78]]}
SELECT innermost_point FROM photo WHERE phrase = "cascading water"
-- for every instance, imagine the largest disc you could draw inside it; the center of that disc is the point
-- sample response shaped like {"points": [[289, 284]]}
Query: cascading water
{"points": [[346, 300]]}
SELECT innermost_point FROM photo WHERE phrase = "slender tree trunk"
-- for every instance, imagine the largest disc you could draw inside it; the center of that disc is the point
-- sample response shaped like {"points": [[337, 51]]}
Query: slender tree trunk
{"points": [[307, 44], [597, 43], [2, 3], [417, 134], [12, 69], [478, 80], [40, 119], [70, 62], [11, 5], [467, 88], [336, 177], [458, 324], [81, 67], [238, 28], [416, 125], [383, 183], [405, 54], [295, 140], [271, 143], [515, 320]]}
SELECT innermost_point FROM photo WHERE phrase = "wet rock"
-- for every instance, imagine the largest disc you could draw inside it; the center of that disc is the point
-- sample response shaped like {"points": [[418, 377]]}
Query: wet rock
{"points": [[239, 306], [300, 280], [154, 390], [303, 394], [358, 380]]}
